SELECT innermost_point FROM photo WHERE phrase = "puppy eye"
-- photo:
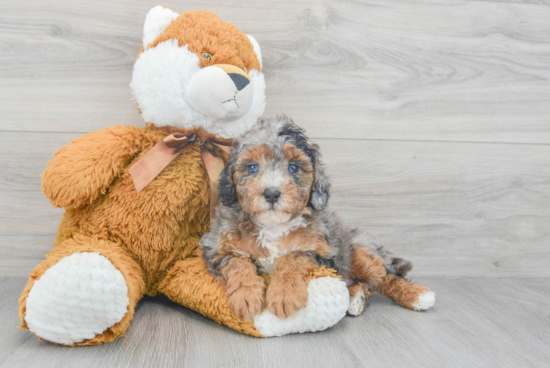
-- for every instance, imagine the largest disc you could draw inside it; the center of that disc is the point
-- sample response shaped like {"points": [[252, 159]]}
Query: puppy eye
{"points": [[293, 169], [253, 169], [207, 56]]}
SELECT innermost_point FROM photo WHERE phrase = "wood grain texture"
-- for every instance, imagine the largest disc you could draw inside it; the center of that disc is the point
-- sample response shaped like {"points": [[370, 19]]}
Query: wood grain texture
{"points": [[454, 209], [393, 69], [533, 2], [475, 323]]}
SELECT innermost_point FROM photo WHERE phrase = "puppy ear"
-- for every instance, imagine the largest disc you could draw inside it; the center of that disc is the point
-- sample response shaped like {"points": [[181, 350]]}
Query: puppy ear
{"points": [[320, 190], [228, 193]]}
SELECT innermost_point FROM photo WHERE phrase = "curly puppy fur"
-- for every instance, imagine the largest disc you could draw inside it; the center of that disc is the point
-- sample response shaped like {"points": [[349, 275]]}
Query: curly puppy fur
{"points": [[273, 219]]}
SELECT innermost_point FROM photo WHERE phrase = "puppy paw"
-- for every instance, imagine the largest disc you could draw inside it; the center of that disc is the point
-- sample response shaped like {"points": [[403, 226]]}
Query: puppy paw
{"points": [[418, 297], [425, 301], [287, 294], [401, 266], [358, 299], [247, 301]]}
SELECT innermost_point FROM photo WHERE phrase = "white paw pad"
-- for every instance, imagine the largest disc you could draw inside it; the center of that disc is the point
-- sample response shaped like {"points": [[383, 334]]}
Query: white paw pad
{"points": [[425, 301], [328, 301], [76, 299], [357, 303]]}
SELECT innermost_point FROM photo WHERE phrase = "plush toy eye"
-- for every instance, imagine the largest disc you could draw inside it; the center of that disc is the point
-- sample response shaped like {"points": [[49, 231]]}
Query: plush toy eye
{"points": [[206, 55], [293, 169], [253, 169]]}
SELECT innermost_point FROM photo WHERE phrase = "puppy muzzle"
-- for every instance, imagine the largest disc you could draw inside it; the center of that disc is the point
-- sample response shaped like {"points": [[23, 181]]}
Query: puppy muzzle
{"points": [[272, 195]]}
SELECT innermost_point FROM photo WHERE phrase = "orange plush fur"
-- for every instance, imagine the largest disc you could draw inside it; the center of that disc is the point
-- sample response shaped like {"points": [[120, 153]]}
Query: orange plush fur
{"points": [[150, 237], [224, 42]]}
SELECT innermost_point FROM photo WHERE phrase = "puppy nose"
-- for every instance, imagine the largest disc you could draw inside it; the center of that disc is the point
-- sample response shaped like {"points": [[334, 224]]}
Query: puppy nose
{"points": [[239, 80], [272, 195]]}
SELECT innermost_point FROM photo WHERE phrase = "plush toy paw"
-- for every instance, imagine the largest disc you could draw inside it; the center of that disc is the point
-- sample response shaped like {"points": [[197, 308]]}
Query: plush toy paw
{"points": [[287, 294], [76, 299], [247, 301], [327, 303]]}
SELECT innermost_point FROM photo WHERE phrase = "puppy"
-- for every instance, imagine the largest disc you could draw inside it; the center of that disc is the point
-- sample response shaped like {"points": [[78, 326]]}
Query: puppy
{"points": [[273, 220]]}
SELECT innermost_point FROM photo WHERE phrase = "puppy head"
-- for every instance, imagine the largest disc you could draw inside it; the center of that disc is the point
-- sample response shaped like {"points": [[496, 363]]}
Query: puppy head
{"points": [[274, 173]]}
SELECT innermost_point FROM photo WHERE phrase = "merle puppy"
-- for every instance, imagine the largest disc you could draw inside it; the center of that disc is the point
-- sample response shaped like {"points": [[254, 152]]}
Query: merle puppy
{"points": [[273, 219]]}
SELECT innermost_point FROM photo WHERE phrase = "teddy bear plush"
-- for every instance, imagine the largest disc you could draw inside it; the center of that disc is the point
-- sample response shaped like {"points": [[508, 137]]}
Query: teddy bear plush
{"points": [[137, 200]]}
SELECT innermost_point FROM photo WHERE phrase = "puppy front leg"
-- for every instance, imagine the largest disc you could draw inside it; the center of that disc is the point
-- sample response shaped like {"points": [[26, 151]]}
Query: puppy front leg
{"points": [[244, 289], [287, 292]]}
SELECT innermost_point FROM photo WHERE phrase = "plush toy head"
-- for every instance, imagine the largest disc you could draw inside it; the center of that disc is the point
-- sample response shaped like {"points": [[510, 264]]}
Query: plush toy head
{"points": [[196, 70]]}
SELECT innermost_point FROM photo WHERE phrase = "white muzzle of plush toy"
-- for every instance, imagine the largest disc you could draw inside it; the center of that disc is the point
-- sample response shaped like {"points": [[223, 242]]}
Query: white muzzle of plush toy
{"points": [[220, 91]]}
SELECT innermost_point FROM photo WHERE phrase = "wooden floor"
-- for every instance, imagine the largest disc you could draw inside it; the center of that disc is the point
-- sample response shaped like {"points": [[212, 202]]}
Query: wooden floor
{"points": [[434, 120], [476, 323]]}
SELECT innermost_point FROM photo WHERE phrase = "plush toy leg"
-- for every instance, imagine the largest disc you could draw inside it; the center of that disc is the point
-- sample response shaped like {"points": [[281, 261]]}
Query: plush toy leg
{"points": [[409, 295], [189, 283], [84, 293]]}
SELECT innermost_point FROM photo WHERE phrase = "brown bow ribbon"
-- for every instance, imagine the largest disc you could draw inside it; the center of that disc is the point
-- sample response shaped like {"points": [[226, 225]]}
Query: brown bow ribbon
{"points": [[164, 152]]}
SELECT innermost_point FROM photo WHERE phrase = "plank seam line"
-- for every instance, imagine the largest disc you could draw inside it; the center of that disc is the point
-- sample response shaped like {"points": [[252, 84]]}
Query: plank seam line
{"points": [[334, 139], [432, 141]]}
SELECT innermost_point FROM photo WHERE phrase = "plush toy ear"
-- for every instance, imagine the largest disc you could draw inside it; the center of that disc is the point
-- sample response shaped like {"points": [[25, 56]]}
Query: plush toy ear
{"points": [[257, 49], [156, 21]]}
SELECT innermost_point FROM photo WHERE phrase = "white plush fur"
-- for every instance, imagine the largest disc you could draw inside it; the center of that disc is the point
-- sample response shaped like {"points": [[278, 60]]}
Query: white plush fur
{"points": [[76, 299], [425, 301], [156, 21], [327, 304], [212, 92], [257, 49]]}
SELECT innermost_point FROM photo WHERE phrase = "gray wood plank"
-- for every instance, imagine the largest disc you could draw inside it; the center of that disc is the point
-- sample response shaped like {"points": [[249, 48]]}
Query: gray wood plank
{"points": [[533, 2], [475, 323], [454, 209], [408, 70]]}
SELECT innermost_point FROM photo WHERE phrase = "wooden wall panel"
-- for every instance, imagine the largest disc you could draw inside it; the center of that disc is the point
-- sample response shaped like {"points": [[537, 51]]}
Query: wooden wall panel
{"points": [[407, 70], [454, 209]]}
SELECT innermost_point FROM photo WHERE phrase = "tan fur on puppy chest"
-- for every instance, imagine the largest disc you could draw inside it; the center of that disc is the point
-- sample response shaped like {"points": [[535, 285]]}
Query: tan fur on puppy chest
{"points": [[268, 244]]}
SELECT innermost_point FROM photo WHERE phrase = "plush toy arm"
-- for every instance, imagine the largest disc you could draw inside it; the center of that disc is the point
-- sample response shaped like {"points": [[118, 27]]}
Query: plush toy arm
{"points": [[85, 168]]}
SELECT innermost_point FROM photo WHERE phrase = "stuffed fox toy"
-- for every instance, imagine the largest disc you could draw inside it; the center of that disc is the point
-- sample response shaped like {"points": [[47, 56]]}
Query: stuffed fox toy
{"points": [[199, 79]]}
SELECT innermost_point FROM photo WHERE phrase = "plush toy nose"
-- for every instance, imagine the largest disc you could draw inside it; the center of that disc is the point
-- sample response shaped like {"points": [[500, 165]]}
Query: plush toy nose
{"points": [[237, 75], [239, 80], [272, 195]]}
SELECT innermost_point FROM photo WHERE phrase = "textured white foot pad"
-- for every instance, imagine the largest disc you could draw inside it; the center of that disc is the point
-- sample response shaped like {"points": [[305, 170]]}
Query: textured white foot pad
{"points": [[425, 301], [328, 302], [76, 299]]}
